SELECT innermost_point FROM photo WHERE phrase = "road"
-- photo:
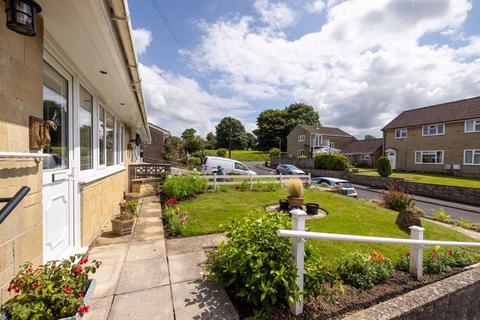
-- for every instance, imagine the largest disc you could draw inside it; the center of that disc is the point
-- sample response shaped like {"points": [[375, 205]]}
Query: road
{"points": [[456, 210]]}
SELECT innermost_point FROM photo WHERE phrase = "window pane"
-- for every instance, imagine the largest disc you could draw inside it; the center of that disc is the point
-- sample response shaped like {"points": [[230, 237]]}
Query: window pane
{"points": [[418, 157], [101, 134], [477, 126], [440, 129], [439, 157], [476, 157], [55, 113], [468, 156], [109, 139], [469, 126], [86, 130]]}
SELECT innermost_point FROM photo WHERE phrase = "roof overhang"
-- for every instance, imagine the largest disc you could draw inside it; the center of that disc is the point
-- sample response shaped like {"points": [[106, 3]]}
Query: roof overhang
{"points": [[95, 35]]}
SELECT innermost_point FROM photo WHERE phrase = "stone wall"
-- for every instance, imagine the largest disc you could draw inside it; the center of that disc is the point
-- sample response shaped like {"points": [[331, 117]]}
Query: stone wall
{"points": [[21, 234], [300, 163], [99, 202], [457, 297]]}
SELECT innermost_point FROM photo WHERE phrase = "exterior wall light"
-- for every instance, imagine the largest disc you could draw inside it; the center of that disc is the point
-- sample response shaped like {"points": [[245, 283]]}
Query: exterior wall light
{"points": [[21, 16]]}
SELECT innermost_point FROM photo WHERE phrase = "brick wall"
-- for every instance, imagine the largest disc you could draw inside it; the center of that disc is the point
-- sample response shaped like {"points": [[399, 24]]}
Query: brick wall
{"points": [[21, 234]]}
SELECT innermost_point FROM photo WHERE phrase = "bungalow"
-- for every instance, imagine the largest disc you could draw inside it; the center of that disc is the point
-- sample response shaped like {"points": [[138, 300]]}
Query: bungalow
{"points": [[443, 138], [364, 152], [71, 105]]}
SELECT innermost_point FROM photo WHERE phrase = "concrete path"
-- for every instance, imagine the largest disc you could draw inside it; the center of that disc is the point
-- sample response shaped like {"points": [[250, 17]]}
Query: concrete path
{"points": [[139, 280]]}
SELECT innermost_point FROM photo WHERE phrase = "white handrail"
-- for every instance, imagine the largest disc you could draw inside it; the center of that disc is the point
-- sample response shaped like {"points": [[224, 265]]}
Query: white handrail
{"points": [[5, 154], [253, 176]]}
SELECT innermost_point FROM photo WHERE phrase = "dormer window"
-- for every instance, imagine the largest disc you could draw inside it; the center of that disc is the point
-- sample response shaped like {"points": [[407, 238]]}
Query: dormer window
{"points": [[301, 138], [401, 133], [472, 125], [434, 130]]}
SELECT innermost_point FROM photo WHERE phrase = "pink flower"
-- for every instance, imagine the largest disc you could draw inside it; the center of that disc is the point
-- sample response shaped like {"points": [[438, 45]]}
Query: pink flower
{"points": [[77, 269], [433, 255], [67, 289], [81, 294], [84, 260], [83, 309]]}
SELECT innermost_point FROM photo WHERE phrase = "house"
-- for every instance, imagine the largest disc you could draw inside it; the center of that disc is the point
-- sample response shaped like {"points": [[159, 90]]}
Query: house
{"points": [[308, 140], [154, 152], [71, 103], [443, 138], [364, 152]]}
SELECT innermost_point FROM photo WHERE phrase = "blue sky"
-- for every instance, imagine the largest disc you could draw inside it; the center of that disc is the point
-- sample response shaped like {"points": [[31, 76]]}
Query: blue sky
{"points": [[359, 62]]}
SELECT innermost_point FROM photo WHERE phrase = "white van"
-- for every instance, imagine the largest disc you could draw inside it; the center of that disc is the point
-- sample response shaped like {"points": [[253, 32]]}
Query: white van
{"points": [[210, 166]]}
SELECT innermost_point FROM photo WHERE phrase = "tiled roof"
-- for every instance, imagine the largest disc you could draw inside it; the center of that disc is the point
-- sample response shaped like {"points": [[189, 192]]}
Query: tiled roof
{"points": [[363, 146], [151, 125], [325, 130], [445, 112]]}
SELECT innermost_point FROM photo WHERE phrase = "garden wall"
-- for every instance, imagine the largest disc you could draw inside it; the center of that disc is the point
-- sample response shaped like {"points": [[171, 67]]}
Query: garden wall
{"points": [[456, 297], [301, 163]]}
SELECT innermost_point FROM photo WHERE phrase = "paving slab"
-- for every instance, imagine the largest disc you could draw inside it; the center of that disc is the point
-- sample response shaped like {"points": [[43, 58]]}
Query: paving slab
{"points": [[186, 267], [143, 274], [99, 309], [192, 244], [148, 228], [150, 304], [144, 250], [201, 300], [107, 276]]}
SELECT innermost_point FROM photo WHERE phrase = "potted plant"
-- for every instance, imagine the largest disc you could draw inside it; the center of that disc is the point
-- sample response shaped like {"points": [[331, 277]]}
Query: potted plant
{"points": [[123, 223], [283, 204], [312, 208], [294, 189], [55, 290]]}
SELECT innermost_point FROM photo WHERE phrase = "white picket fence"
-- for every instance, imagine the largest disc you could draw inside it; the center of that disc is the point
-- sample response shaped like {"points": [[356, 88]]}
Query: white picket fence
{"points": [[299, 236], [218, 180]]}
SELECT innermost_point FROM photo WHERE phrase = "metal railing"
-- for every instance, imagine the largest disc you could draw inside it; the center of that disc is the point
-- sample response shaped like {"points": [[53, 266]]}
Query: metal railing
{"points": [[217, 180], [12, 203], [299, 236]]}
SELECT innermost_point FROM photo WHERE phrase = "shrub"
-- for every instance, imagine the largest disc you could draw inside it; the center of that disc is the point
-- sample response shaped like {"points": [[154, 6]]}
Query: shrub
{"points": [[274, 152], [54, 290], [364, 271], [397, 200], [294, 188], [244, 186], [384, 167], [440, 215], [408, 218], [256, 265], [194, 162], [174, 219], [403, 264], [464, 223], [335, 162], [184, 186], [460, 258], [222, 152], [438, 260]]}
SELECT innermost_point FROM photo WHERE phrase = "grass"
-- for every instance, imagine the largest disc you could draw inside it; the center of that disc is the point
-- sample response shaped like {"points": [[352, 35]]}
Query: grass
{"points": [[246, 155], [209, 211], [431, 178]]}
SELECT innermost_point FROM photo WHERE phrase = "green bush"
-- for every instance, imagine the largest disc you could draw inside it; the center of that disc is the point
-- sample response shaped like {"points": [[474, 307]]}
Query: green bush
{"points": [[439, 261], [174, 219], [384, 167], [256, 265], [222, 152], [364, 271], [184, 186], [194, 162], [335, 162], [397, 200], [274, 152]]}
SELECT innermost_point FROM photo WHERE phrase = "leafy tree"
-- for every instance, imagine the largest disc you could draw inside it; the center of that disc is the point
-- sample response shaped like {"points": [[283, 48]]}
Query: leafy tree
{"points": [[274, 123], [369, 137], [191, 141], [173, 148], [231, 126], [251, 140], [211, 141]]}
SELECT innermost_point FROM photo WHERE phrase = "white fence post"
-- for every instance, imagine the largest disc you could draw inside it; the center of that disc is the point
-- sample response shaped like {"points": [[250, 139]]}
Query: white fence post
{"points": [[298, 252], [281, 181], [251, 183], [309, 178], [416, 252], [214, 182]]}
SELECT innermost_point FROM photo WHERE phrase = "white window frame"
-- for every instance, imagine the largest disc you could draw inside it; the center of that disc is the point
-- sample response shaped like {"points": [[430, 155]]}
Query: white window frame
{"points": [[399, 133], [365, 157], [475, 123], [474, 151], [331, 144], [436, 125], [429, 151], [301, 138], [301, 153]]}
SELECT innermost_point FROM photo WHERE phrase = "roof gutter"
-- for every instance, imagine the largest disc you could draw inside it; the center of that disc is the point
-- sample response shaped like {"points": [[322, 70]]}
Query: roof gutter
{"points": [[120, 19]]}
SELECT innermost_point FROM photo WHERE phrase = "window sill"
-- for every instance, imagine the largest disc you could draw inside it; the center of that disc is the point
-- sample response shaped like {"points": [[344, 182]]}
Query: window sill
{"points": [[100, 174]]}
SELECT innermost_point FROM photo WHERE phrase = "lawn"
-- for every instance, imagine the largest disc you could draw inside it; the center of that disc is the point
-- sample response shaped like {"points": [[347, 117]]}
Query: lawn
{"points": [[246, 155], [431, 178], [209, 211]]}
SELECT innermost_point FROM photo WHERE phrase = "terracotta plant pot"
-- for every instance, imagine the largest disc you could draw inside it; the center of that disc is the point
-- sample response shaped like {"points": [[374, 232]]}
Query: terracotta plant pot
{"points": [[295, 202], [312, 208], [122, 227]]}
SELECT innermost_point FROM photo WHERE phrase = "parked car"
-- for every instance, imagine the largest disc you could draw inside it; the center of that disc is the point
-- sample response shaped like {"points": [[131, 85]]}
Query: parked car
{"points": [[288, 169], [336, 183], [214, 165]]}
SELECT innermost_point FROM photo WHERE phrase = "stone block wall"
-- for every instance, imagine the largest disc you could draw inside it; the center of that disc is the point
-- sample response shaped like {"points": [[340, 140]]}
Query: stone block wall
{"points": [[21, 234], [99, 202]]}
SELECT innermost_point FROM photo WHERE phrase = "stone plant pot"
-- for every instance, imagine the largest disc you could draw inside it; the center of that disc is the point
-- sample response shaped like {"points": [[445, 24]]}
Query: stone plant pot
{"points": [[295, 202], [122, 227], [283, 204], [312, 208]]}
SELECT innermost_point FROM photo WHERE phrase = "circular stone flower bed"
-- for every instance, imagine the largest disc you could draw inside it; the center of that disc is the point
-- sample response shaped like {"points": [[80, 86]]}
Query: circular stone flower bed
{"points": [[321, 213]]}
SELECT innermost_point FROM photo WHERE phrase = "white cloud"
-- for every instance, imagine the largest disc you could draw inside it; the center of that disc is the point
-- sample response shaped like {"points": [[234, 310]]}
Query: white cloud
{"points": [[141, 40], [359, 70], [316, 6], [276, 14]]}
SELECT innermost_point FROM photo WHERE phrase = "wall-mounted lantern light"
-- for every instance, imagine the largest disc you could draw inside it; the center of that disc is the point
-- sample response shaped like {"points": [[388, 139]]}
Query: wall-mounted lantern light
{"points": [[21, 16]]}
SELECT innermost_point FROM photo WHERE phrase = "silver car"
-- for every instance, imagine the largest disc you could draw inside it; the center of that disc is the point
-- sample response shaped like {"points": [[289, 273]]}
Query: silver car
{"points": [[337, 183], [288, 169]]}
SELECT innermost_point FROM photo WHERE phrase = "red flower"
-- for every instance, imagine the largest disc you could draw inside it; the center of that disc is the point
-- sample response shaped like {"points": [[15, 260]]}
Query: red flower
{"points": [[30, 270], [81, 294], [11, 287], [84, 260], [171, 201], [407, 254], [34, 285], [433, 255], [83, 309], [450, 253], [77, 269], [67, 289]]}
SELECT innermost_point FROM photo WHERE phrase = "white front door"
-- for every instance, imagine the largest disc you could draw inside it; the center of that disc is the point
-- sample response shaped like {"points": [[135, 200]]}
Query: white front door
{"points": [[392, 156], [58, 213]]}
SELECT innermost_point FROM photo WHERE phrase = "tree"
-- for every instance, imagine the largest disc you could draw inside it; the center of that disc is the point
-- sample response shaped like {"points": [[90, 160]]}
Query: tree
{"points": [[227, 127], [274, 123], [384, 167], [251, 141], [191, 141], [173, 148], [211, 141], [369, 137]]}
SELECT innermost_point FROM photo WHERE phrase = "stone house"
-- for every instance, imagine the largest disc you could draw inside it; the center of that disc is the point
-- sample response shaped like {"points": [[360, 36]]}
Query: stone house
{"points": [[76, 79], [364, 152], [155, 151], [307, 140], [443, 138]]}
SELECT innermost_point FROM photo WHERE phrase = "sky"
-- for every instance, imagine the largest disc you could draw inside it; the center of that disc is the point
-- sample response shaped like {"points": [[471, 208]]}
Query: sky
{"points": [[359, 63]]}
